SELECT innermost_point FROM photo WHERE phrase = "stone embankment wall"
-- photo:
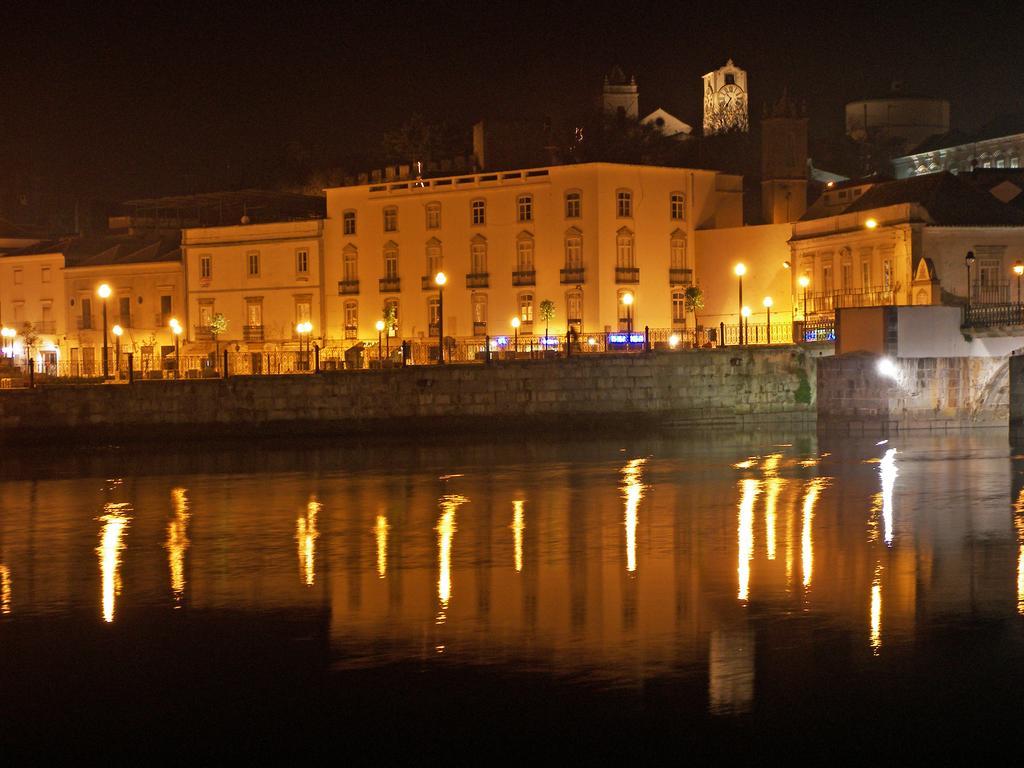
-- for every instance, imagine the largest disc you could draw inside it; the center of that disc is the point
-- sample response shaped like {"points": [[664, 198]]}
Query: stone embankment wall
{"points": [[729, 386], [917, 393]]}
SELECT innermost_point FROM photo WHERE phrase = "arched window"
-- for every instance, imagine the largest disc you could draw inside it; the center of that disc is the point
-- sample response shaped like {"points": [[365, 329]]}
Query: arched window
{"points": [[479, 314], [478, 255], [677, 206], [524, 208], [350, 263], [624, 204], [573, 204], [391, 260], [624, 255], [434, 262], [573, 249], [351, 319], [677, 250], [524, 252], [678, 307], [433, 215]]}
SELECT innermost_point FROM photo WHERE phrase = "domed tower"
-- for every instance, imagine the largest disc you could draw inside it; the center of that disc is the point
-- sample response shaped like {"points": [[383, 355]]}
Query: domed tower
{"points": [[726, 100]]}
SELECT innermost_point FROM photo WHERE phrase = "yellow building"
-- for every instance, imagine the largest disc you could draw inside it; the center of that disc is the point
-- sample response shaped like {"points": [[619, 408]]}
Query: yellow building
{"points": [[582, 236], [31, 302]]}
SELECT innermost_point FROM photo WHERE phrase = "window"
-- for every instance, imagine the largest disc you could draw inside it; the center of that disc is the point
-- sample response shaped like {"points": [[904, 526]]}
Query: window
{"points": [[678, 307], [206, 266], [348, 222], [624, 249], [390, 309], [478, 209], [391, 219], [478, 256], [626, 311], [479, 313], [678, 206], [391, 261], [253, 257], [302, 262], [526, 307], [44, 274], [524, 254], [124, 311], [351, 319], [865, 275], [574, 309], [887, 274], [86, 306], [573, 205], [434, 262], [17, 277], [165, 310], [573, 250], [524, 207], [1015, 162], [730, 79], [624, 204], [303, 305], [254, 313], [205, 313], [350, 263], [826, 278], [677, 250], [433, 315], [433, 215]]}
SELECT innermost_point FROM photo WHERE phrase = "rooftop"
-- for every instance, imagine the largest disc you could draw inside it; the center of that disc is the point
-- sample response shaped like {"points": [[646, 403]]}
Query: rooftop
{"points": [[106, 250]]}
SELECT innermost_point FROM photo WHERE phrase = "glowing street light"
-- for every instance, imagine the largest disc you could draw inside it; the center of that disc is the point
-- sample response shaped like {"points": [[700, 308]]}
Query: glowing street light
{"points": [[8, 335], [871, 223], [768, 315], [104, 293], [673, 341], [175, 327], [117, 331], [515, 326], [1018, 270], [804, 281], [304, 329], [439, 280], [969, 262], [740, 270], [380, 331], [627, 301]]}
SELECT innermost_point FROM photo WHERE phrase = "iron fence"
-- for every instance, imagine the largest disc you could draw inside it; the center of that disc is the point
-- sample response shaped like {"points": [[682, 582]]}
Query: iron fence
{"points": [[982, 315]]}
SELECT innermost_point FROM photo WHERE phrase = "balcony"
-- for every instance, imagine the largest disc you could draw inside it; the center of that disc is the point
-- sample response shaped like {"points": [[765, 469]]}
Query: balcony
{"points": [[524, 277], [432, 330], [427, 283], [573, 276], [479, 329], [678, 276], [990, 292], [252, 333], [202, 333], [390, 284], [348, 287], [627, 275], [477, 279], [823, 302]]}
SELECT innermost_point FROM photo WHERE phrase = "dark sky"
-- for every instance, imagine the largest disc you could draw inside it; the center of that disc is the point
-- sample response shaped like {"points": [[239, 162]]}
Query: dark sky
{"points": [[155, 98]]}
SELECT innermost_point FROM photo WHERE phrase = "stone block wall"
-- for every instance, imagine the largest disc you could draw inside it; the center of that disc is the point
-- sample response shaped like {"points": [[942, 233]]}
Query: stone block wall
{"points": [[729, 386]]}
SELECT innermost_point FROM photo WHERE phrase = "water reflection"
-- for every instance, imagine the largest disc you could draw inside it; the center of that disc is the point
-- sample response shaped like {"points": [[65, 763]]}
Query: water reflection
{"points": [[876, 611], [1018, 524], [814, 488], [381, 534], [115, 522], [177, 543], [306, 534], [5, 589], [445, 534], [745, 535], [888, 472], [518, 526], [632, 491], [731, 672]]}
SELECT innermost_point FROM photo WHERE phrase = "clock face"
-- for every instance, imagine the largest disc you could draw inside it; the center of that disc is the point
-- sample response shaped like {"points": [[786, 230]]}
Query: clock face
{"points": [[730, 96]]}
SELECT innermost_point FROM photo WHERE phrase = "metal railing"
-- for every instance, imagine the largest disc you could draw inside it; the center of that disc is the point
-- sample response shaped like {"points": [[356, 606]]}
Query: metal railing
{"points": [[524, 277], [348, 287], [990, 292], [477, 279], [679, 276], [982, 315], [571, 276], [389, 284], [829, 301], [627, 275], [252, 333]]}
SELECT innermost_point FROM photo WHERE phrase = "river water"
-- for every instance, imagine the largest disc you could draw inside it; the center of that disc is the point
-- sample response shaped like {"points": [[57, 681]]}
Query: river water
{"points": [[702, 593]]}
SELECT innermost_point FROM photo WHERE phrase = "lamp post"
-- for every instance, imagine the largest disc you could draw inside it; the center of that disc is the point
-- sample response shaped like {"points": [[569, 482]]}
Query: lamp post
{"points": [[380, 331], [8, 335], [1018, 270], [117, 331], [804, 281], [515, 327], [104, 293], [440, 279], [627, 300], [740, 270], [744, 324], [969, 262], [768, 315], [176, 331], [304, 329]]}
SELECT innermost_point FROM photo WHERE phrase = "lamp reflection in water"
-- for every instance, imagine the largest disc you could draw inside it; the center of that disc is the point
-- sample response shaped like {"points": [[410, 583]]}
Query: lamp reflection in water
{"points": [[1018, 522], [115, 522], [887, 470], [518, 526], [876, 611], [632, 492], [381, 532], [306, 534], [814, 488], [177, 543], [445, 534], [5, 590], [773, 487], [745, 535]]}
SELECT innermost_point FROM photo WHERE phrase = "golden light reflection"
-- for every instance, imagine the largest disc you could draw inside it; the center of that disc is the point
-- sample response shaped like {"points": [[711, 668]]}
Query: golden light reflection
{"points": [[876, 612], [381, 532], [1018, 522], [773, 487], [518, 526], [5, 589], [887, 470], [806, 539], [306, 534], [632, 491], [115, 521], [745, 535], [177, 543], [445, 534], [747, 464]]}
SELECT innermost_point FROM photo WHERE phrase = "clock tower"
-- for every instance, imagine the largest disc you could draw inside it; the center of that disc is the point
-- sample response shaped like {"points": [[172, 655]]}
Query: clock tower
{"points": [[726, 100]]}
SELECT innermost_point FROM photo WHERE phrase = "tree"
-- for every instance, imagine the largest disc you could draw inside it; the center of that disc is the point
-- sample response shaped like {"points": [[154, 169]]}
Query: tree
{"points": [[547, 314], [30, 336], [694, 301], [390, 319], [218, 326]]}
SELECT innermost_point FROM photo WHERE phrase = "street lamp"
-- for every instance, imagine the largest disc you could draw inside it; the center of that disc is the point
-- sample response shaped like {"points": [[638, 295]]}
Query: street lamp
{"points": [[804, 281], [1018, 270], [104, 293], [304, 329], [744, 324], [740, 270], [176, 331], [380, 330], [515, 327], [439, 280], [768, 315], [8, 335], [969, 262], [871, 223], [117, 331], [627, 301]]}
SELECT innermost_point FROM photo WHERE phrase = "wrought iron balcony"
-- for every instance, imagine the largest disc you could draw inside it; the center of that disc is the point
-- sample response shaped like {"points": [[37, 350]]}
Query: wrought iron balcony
{"points": [[427, 283], [252, 333], [202, 332], [988, 315], [390, 284], [524, 277], [572, 276], [348, 287], [477, 279], [679, 276], [990, 292], [628, 275], [479, 329]]}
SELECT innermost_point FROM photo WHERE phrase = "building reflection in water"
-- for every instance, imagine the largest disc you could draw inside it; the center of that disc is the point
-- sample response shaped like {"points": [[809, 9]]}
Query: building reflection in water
{"points": [[632, 492], [745, 535], [177, 543], [306, 534], [445, 534], [876, 611], [1018, 523], [731, 671], [5, 589], [115, 521], [381, 533], [518, 526], [814, 488], [888, 472]]}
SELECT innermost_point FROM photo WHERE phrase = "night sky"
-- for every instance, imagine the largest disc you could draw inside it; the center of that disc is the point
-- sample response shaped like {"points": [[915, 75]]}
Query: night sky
{"points": [[160, 98]]}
